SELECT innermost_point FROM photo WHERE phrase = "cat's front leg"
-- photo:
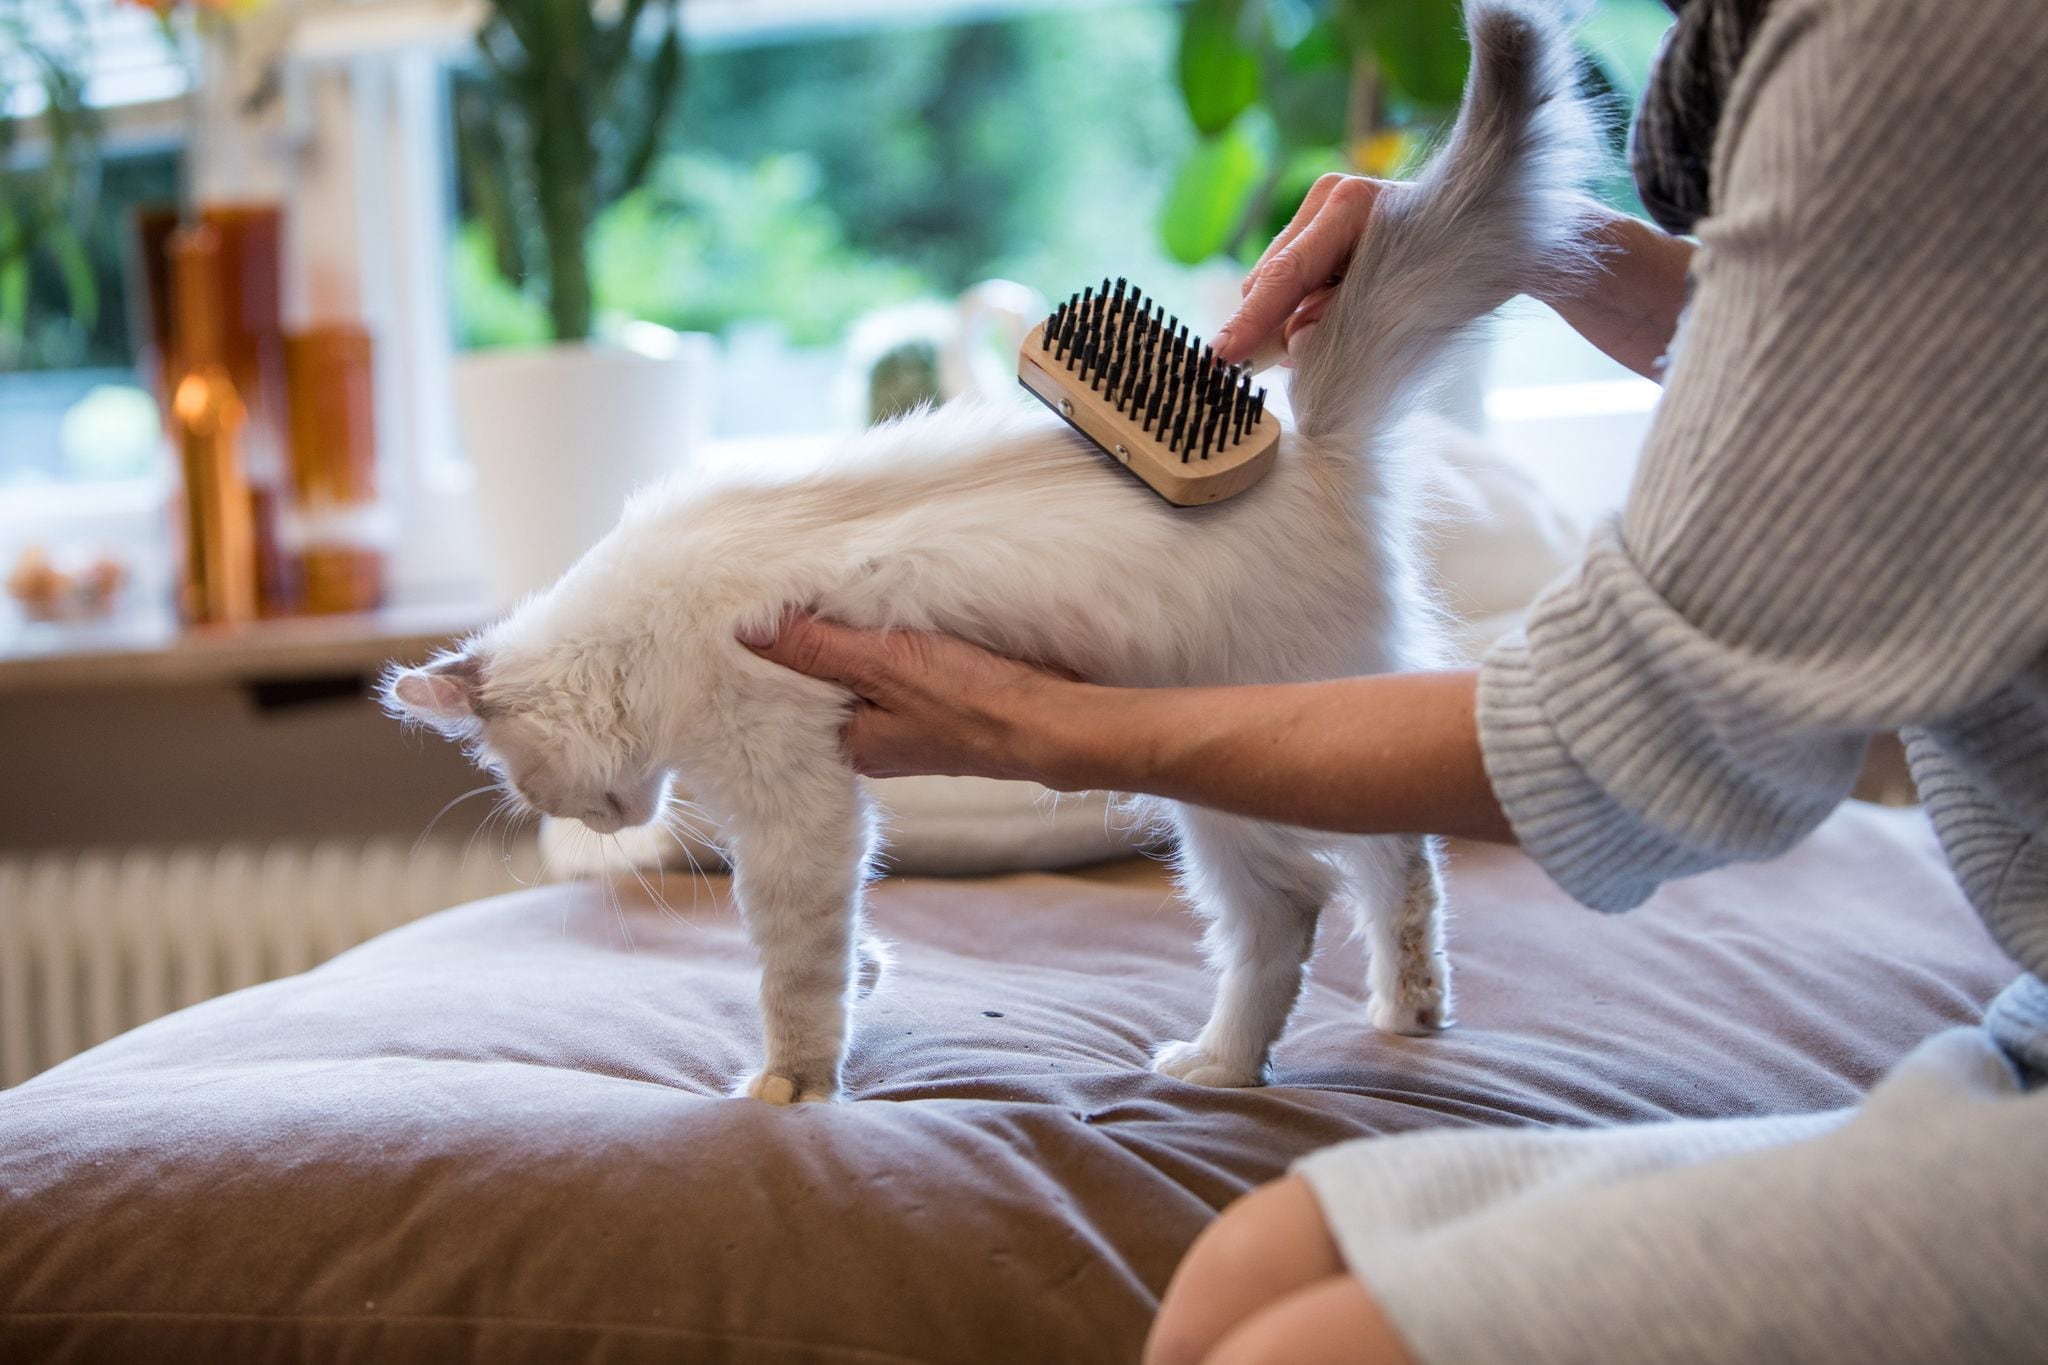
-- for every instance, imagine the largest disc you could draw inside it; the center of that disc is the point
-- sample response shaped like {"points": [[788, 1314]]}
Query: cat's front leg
{"points": [[1261, 887], [799, 863]]}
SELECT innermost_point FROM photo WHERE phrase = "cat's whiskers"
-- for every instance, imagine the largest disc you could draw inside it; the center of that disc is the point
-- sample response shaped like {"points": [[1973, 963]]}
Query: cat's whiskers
{"points": [[673, 822], [655, 895], [498, 808], [547, 855], [508, 828], [475, 791], [677, 812], [521, 812]]}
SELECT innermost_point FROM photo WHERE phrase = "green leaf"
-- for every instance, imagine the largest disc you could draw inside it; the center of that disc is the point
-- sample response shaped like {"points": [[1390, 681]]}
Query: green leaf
{"points": [[1297, 174], [1219, 71], [614, 49], [1308, 85], [487, 176], [1211, 201], [14, 296], [664, 82], [1420, 46], [80, 285]]}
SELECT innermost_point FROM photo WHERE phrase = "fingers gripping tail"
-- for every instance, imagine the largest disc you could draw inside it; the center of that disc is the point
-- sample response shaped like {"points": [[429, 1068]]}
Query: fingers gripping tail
{"points": [[1494, 213]]}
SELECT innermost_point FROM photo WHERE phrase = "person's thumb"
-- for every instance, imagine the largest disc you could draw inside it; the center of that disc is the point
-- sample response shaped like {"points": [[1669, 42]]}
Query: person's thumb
{"points": [[821, 649]]}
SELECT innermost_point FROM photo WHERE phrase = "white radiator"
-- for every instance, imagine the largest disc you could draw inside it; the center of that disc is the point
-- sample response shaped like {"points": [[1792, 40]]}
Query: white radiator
{"points": [[95, 943]]}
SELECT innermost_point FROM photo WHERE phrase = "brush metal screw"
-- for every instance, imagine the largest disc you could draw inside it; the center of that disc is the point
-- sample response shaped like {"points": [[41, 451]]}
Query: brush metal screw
{"points": [[1066, 407], [1122, 453]]}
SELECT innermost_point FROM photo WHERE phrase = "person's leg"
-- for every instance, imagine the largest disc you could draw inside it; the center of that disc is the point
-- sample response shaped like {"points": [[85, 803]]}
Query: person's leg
{"points": [[1908, 1231], [1671, 1241], [1332, 1322], [1275, 1245], [1267, 1246]]}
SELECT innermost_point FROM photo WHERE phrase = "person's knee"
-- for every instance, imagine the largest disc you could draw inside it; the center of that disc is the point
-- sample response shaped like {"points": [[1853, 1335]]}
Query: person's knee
{"points": [[1335, 1321], [1264, 1247]]}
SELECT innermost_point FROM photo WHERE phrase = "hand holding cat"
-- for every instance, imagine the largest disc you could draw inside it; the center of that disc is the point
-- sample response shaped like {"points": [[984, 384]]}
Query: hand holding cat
{"points": [[927, 703]]}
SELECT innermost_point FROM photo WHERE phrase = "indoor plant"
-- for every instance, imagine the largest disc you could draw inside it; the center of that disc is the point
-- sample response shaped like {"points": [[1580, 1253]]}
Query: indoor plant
{"points": [[566, 118], [44, 199], [564, 115]]}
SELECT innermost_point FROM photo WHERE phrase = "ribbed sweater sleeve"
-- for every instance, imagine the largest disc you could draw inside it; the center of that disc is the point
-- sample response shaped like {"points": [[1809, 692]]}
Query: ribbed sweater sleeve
{"points": [[1837, 524]]}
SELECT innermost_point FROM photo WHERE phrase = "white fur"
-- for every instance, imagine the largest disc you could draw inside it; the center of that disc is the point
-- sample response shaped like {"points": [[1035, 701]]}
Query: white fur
{"points": [[997, 524]]}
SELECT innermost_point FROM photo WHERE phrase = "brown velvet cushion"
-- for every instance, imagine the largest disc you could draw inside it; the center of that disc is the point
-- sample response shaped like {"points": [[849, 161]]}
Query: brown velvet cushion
{"points": [[500, 1134]]}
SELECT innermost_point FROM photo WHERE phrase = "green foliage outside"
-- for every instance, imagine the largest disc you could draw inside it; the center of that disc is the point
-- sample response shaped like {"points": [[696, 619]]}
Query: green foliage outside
{"points": [[1280, 92], [1620, 40], [47, 189], [706, 244], [806, 181], [803, 182]]}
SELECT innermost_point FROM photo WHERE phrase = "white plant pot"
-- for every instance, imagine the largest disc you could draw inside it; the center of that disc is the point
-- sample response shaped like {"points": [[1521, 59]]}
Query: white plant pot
{"points": [[560, 436]]}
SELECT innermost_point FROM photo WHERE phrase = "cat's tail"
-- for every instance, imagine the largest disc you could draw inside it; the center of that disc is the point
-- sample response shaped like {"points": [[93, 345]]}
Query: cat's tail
{"points": [[1492, 215]]}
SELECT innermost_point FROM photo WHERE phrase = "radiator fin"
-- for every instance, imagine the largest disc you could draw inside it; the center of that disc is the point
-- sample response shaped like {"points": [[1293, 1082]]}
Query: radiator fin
{"points": [[94, 943]]}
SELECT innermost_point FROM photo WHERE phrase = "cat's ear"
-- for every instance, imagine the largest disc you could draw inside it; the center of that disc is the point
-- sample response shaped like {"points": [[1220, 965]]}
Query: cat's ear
{"points": [[442, 693]]}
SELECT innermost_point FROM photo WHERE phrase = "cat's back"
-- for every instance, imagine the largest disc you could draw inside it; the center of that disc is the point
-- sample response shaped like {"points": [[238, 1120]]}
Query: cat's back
{"points": [[969, 465]]}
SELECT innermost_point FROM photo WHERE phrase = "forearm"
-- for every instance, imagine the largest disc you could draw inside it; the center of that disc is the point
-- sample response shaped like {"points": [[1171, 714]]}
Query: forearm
{"points": [[1391, 754], [1628, 304]]}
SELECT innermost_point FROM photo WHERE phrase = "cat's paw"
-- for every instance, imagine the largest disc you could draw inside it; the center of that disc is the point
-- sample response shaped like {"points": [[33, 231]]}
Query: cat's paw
{"points": [[1188, 1062], [1415, 1011], [772, 1087]]}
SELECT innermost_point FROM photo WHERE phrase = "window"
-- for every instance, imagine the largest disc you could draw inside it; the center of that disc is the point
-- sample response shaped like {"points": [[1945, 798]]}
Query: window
{"points": [[816, 173], [828, 161], [69, 407]]}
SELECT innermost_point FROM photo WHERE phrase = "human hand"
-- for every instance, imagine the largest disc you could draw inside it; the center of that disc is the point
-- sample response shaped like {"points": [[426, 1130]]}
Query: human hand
{"points": [[1291, 285], [926, 703]]}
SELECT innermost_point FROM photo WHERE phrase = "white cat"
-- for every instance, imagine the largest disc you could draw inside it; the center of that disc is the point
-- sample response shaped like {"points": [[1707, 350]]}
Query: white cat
{"points": [[996, 523]]}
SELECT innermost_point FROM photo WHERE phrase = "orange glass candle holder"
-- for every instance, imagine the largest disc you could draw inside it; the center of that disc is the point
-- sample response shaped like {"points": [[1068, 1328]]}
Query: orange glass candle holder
{"points": [[339, 527], [217, 582], [243, 319]]}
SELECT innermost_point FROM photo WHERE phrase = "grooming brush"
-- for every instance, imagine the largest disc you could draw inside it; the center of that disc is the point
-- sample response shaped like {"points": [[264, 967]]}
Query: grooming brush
{"points": [[1126, 374]]}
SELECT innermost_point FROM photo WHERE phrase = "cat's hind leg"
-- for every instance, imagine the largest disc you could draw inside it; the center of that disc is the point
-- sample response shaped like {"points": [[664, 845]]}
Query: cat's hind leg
{"points": [[1396, 885], [799, 868], [1261, 888]]}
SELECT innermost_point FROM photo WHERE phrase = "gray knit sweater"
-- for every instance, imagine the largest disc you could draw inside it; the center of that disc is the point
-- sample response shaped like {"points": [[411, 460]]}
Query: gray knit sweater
{"points": [[1840, 522], [1839, 527]]}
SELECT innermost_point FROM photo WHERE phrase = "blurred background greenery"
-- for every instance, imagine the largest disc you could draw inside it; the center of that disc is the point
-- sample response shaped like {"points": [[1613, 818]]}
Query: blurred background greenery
{"points": [[804, 182], [805, 178], [808, 180], [1281, 92]]}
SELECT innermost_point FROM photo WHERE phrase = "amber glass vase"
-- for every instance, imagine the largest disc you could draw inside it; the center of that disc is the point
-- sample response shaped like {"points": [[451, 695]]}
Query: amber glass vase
{"points": [[251, 238], [244, 321], [341, 530], [208, 420]]}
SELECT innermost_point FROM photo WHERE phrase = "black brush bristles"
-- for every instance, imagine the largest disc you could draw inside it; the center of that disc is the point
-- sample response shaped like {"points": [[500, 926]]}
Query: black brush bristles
{"points": [[1143, 361]]}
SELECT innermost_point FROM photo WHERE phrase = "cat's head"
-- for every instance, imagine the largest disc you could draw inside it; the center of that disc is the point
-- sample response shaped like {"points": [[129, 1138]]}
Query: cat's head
{"points": [[554, 727]]}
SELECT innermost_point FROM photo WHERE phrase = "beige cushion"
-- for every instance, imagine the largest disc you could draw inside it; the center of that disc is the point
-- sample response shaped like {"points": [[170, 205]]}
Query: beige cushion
{"points": [[500, 1134]]}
